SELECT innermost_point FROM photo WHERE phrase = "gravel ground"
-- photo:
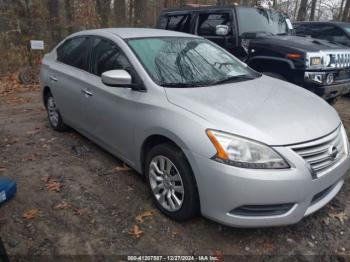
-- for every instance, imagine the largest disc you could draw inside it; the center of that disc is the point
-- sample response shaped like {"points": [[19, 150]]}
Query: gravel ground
{"points": [[72, 200]]}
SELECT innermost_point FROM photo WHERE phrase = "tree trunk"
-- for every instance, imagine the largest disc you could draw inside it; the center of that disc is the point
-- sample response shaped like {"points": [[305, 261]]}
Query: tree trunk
{"points": [[131, 12], [302, 10], [295, 10], [346, 10], [140, 13], [313, 9], [68, 7], [120, 12], [103, 10], [54, 20], [341, 9]]}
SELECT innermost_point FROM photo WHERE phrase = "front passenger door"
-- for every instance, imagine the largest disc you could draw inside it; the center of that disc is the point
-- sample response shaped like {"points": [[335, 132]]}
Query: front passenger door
{"points": [[206, 27], [110, 108]]}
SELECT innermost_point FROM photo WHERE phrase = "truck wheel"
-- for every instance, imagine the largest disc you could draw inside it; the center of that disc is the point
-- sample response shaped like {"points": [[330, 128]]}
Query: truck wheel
{"points": [[172, 182], [275, 75], [332, 101]]}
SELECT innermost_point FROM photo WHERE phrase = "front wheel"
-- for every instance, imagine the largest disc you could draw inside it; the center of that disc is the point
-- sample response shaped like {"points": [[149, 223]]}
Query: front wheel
{"points": [[172, 182]]}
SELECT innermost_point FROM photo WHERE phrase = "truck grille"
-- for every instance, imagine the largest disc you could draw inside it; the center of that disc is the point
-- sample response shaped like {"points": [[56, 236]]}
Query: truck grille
{"points": [[323, 153], [340, 59]]}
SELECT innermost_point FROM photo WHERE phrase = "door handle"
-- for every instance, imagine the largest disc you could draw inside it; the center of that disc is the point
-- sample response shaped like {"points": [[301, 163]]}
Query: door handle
{"points": [[86, 92], [53, 79]]}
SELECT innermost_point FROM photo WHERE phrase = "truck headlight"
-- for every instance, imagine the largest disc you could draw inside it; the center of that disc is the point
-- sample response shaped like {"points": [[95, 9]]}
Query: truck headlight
{"points": [[242, 152], [315, 61]]}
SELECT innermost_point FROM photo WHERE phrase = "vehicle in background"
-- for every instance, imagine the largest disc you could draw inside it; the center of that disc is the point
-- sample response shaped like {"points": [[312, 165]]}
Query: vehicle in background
{"points": [[264, 39], [338, 32]]}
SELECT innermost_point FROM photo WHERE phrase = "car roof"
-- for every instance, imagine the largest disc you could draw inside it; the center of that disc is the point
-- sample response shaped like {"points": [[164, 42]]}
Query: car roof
{"points": [[320, 22], [189, 8], [127, 33]]}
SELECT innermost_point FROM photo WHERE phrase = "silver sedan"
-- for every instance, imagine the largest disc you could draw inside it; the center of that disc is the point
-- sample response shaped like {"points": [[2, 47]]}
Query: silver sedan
{"points": [[211, 135]]}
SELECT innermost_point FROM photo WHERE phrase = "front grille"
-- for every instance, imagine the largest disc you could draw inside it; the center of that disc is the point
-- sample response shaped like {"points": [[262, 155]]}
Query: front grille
{"points": [[320, 154], [339, 59]]}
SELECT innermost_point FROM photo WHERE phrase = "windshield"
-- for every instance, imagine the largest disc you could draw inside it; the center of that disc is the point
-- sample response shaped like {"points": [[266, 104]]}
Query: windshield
{"points": [[346, 27], [186, 62], [261, 20]]}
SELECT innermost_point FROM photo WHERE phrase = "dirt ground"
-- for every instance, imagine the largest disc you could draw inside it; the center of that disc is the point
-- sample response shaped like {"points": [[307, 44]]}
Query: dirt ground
{"points": [[72, 200]]}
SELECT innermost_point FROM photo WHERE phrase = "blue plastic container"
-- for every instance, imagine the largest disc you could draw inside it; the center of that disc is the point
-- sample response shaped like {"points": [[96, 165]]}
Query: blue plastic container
{"points": [[7, 189]]}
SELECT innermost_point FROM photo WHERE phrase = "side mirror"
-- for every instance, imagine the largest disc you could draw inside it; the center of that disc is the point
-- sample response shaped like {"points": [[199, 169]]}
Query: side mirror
{"points": [[117, 78], [221, 30]]}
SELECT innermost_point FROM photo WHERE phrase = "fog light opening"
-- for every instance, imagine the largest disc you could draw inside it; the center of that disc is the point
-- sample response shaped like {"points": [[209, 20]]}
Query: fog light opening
{"points": [[330, 79]]}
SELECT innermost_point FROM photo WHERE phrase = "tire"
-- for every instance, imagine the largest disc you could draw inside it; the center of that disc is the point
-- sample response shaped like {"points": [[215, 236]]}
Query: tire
{"points": [[53, 114], [179, 168], [332, 101], [275, 75]]}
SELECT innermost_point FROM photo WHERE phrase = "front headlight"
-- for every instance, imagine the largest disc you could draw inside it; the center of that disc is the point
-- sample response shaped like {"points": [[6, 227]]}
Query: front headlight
{"points": [[345, 140], [241, 152], [315, 61]]}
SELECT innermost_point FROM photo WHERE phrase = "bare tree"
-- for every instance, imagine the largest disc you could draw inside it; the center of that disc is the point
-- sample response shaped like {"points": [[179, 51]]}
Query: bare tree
{"points": [[54, 20], [313, 9], [120, 12], [302, 10], [341, 9], [140, 12], [103, 10], [346, 10], [69, 10]]}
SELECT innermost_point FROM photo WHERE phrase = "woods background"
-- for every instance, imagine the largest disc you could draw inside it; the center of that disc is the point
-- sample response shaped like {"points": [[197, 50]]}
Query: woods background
{"points": [[52, 20]]}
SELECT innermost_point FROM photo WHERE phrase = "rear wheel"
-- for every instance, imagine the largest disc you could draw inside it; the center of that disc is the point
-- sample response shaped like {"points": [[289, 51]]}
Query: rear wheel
{"points": [[54, 116], [172, 182], [275, 75]]}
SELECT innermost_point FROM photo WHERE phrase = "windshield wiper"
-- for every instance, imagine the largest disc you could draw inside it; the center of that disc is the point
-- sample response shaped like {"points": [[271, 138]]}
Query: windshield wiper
{"points": [[234, 78], [180, 85]]}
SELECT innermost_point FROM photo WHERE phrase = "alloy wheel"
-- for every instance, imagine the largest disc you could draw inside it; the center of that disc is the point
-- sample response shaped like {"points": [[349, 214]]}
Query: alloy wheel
{"points": [[166, 183]]}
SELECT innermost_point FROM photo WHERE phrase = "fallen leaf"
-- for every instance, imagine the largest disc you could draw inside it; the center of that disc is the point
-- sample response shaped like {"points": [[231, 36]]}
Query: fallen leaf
{"points": [[62, 205], [136, 231], [54, 186], [45, 179], [268, 246], [80, 211], [140, 217], [30, 214], [218, 255], [340, 216], [30, 158], [3, 168], [122, 168]]}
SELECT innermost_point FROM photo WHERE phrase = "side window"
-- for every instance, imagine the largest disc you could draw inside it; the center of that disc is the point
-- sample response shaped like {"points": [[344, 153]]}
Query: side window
{"points": [[107, 56], [74, 52], [179, 23], [301, 30], [163, 20], [207, 23]]}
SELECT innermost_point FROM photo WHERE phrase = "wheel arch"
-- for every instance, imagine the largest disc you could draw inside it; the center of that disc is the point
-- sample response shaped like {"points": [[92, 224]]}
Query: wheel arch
{"points": [[276, 65], [46, 91]]}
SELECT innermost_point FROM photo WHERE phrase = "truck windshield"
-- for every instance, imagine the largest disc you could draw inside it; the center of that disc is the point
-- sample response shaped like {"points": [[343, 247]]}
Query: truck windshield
{"points": [[188, 62], [262, 20]]}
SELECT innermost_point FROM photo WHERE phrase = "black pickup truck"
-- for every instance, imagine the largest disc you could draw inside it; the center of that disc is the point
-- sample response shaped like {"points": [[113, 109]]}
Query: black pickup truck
{"points": [[264, 39]]}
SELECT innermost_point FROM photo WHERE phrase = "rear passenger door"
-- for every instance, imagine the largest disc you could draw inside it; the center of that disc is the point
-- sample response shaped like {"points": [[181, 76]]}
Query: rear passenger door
{"points": [[67, 76], [329, 32], [206, 27], [180, 22]]}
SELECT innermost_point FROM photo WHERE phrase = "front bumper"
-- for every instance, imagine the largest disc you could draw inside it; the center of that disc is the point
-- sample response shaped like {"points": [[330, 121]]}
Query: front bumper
{"points": [[224, 188], [315, 82]]}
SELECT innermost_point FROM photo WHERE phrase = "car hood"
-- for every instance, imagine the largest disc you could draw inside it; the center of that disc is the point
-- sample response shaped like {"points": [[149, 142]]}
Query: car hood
{"points": [[264, 109], [304, 44]]}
